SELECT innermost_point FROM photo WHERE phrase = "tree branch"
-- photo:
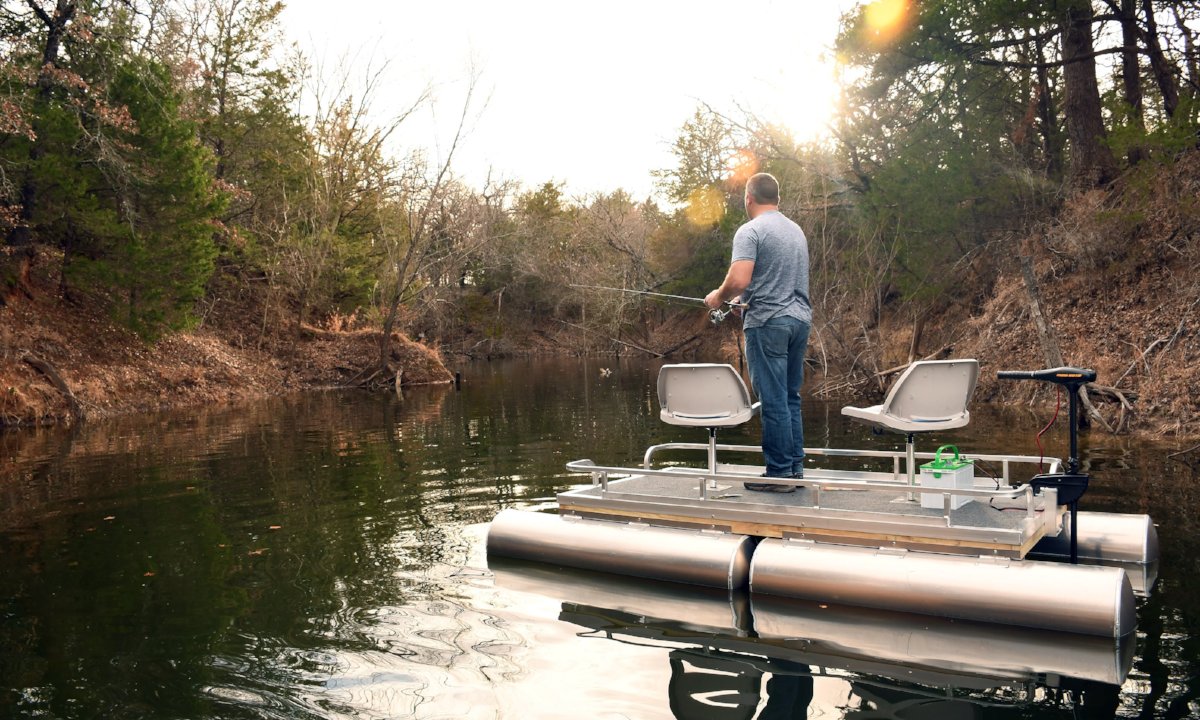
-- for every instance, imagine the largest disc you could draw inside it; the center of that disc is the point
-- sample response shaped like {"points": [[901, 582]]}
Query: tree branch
{"points": [[1056, 64], [40, 12]]}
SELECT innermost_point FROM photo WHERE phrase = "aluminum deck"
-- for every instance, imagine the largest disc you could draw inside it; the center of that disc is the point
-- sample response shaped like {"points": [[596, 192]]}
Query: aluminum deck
{"points": [[875, 509]]}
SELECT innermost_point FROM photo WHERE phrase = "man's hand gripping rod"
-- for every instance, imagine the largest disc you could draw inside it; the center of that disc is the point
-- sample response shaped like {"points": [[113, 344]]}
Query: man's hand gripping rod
{"points": [[714, 316]]}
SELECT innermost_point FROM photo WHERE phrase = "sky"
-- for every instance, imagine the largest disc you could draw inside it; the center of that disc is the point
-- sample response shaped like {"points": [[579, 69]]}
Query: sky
{"points": [[590, 95]]}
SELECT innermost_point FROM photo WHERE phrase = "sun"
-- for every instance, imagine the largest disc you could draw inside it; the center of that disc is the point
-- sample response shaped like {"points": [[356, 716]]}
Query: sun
{"points": [[793, 77], [809, 114]]}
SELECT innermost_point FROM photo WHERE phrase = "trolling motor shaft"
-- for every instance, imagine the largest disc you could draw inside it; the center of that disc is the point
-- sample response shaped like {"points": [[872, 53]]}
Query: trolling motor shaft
{"points": [[1072, 484]]}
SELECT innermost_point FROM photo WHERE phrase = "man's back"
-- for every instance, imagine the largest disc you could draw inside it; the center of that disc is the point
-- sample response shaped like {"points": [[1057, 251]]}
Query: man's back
{"points": [[779, 285]]}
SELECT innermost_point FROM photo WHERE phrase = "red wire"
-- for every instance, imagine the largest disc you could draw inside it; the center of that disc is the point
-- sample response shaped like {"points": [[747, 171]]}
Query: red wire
{"points": [[1041, 452]]}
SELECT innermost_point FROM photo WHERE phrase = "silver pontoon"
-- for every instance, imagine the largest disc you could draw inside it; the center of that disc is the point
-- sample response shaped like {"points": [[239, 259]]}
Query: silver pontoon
{"points": [[888, 534]]}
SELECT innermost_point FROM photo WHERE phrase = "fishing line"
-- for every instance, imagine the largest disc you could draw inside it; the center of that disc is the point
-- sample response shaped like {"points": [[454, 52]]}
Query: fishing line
{"points": [[716, 316]]}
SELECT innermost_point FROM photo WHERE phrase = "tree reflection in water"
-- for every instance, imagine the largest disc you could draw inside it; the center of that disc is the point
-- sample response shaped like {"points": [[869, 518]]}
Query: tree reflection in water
{"points": [[320, 556]]}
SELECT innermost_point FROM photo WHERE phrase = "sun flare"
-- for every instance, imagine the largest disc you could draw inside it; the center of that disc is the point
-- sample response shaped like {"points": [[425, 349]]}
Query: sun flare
{"points": [[885, 18], [705, 206], [742, 166]]}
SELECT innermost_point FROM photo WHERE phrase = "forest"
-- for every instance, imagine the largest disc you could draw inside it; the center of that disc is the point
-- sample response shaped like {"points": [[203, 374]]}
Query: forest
{"points": [[999, 172]]}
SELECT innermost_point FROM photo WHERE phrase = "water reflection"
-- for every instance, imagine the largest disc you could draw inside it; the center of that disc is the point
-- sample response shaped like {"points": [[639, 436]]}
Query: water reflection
{"points": [[734, 655], [318, 556]]}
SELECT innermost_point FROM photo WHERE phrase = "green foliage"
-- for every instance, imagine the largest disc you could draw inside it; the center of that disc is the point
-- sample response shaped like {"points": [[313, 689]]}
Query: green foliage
{"points": [[152, 242], [544, 204], [704, 151], [940, 139], [478, 311], [245, 116], [1164, 141], [114, 174], [706, 266]]}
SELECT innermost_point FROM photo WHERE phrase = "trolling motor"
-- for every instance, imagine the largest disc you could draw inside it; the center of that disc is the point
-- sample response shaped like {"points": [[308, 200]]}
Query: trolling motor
{"points": [[1072, 484]]}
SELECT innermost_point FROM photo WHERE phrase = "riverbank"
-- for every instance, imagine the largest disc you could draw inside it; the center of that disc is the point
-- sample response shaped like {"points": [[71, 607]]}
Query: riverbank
{"points": [[64, 359], [1129, 313]]}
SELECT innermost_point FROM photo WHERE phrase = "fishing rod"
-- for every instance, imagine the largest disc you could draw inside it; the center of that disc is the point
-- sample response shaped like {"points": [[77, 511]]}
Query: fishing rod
{"points": [[715, 316]]}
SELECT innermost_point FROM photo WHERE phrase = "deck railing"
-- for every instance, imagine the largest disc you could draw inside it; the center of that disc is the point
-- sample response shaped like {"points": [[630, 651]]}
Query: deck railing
{"points": [[818, 480]]}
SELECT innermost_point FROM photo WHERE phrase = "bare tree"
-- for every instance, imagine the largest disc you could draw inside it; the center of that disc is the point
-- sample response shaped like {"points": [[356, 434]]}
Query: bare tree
{"points": [[334, 221], [409, 238]]}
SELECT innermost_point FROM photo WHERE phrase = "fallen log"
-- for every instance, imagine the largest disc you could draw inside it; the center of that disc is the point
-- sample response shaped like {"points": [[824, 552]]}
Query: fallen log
{"points": [[51, 374]]}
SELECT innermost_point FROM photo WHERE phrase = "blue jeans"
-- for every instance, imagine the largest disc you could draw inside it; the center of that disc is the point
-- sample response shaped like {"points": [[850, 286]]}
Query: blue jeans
{"points": [[775, 352]]}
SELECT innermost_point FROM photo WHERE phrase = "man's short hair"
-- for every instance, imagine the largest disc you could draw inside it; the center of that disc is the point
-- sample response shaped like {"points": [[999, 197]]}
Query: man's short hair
{"points": [[764, 188]]}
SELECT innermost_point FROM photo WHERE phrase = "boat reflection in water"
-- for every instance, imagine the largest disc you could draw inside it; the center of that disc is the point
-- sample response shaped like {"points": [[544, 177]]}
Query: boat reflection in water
{"points": [[733, 655]]}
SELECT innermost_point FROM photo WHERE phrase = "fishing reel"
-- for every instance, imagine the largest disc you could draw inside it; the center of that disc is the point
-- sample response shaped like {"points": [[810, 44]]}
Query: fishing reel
{"points": [[716, 317]]}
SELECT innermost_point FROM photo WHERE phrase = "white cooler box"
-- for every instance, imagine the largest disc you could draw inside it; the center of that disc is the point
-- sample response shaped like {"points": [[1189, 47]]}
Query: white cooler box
{"points": [[955, 473]]}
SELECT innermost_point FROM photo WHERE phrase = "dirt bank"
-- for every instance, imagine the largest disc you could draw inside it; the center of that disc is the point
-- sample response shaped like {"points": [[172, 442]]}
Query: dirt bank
{"points": [[60, 357], [1113, 274]]}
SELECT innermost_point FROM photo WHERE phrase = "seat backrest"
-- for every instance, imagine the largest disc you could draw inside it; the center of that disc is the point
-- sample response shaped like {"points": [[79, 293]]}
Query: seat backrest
{"points": [[932, 390], [704, 395]]}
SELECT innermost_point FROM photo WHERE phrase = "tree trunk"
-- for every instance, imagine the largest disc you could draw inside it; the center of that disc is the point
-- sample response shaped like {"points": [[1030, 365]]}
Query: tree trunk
{"points": [[1051, 350], [914, 347], [1092, 163], [389, 324], [1189, 52], [1161, 67], [1131, 75], [56, 27], [45, 368], [1046, 335], [1051, 133], [1191, 61]]}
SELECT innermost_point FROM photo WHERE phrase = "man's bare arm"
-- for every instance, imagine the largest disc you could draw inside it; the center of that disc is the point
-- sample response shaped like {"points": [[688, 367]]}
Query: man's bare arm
{"points": [[736, 282]]}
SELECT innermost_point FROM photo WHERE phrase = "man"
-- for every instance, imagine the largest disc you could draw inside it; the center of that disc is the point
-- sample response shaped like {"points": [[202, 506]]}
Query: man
{"points": [[770, 271]]}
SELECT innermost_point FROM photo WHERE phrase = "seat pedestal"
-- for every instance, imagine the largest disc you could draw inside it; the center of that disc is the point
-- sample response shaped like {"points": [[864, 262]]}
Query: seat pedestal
{"points": [[910, 464]]}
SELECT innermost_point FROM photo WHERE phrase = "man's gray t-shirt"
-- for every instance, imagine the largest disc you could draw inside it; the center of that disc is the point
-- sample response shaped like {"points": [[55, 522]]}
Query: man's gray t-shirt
{"points": [[779, 285]]}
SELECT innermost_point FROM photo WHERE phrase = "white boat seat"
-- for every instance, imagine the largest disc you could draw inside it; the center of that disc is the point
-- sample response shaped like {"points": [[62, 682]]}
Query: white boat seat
{"points": [[704, 395], [930, 395]]}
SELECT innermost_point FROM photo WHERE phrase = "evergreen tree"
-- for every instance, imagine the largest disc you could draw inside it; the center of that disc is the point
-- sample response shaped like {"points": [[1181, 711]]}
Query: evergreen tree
{"points": [[114, 176], [168, 206]]}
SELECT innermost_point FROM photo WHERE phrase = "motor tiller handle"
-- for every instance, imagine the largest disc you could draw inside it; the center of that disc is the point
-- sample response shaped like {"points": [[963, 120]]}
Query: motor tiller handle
{"points": [[1071, 377]]}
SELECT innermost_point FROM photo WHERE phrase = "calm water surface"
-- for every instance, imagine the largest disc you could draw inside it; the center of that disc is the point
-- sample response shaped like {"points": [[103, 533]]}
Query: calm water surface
{"points": [[322, 556]]}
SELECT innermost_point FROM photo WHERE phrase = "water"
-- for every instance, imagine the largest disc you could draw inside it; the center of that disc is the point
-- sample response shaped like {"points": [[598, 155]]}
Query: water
{"points": [[321, 556]]}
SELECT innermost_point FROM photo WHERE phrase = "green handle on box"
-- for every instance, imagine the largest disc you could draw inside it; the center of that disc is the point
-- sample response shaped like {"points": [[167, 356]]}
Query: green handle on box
{"points": [[937, 458]]}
